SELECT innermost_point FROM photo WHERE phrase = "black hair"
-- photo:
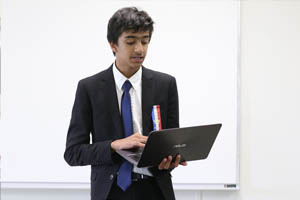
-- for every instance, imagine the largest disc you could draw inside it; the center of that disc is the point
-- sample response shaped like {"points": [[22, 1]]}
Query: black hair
{"points": [[125, 19]]}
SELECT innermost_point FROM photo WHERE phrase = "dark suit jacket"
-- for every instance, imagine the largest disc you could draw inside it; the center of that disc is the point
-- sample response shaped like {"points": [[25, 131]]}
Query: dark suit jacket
{"points": [[96, 112]]}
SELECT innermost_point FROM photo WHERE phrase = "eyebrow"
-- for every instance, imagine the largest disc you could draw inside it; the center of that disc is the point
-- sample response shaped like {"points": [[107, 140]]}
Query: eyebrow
{"points": [[134, 37]]}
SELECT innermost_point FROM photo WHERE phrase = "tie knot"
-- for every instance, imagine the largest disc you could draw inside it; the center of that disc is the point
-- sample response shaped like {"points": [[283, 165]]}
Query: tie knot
{"points": [[126, 86]]}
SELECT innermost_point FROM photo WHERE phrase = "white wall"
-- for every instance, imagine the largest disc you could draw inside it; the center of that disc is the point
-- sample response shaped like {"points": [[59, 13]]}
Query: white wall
{"points": [[270, 100], [270, 109], [270, 96]]}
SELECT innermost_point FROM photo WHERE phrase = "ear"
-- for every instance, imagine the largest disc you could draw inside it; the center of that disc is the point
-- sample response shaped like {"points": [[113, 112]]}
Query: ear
{"points": [[113, 47]]}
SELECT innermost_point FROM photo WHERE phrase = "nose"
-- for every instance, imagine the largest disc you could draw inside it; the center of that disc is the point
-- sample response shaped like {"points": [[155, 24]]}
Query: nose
{"points": [[139, 47]]}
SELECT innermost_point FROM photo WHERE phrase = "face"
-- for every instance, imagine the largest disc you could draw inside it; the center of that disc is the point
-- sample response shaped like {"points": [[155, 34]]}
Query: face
{"points": [[131, 50]]}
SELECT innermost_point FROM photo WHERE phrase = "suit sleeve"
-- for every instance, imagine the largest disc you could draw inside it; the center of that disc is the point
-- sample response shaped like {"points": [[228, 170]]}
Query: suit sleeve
{"points": [[79, 151]]}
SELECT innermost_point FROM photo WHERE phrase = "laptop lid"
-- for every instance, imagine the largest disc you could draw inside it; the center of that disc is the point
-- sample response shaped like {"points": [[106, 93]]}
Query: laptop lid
{"points": [[192, 143]]}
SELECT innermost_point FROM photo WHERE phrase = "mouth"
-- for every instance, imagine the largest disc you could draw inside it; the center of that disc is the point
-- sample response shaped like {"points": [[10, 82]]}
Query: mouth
{"points": [[137, 59]]}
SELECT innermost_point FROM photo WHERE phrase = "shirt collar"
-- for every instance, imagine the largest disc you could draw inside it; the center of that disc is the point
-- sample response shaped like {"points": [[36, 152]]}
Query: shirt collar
{"points": [[135, 79]]}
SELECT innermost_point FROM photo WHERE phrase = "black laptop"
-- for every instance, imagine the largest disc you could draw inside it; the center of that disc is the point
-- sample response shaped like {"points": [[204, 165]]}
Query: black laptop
{"points": [[192, 143]]}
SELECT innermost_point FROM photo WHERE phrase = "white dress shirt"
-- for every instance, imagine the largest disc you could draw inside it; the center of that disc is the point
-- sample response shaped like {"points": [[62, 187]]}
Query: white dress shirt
{"points": [[136, 103]]}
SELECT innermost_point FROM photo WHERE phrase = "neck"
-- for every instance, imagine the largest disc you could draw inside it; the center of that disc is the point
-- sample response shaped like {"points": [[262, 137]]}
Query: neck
{"points": [[126, 71]]}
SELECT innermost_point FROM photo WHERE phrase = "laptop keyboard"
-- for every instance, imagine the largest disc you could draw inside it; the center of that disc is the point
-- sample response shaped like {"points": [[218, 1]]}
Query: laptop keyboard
{"points": [[135, 157]]}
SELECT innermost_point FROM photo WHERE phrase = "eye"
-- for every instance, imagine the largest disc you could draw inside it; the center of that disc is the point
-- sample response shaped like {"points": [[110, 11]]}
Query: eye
{"points": [[144, 42], [130, 42]]}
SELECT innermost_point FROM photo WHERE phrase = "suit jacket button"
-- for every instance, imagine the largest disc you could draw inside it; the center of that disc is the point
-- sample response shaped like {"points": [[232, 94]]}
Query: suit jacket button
{"points": [[111, 177]]}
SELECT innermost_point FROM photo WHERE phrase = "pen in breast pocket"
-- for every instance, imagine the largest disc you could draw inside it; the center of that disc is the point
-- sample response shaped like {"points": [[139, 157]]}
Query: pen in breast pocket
{"points": [[156, 119]]}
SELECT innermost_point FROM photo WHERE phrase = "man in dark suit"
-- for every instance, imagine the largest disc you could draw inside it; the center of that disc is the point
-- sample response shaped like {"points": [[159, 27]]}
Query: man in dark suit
{"points": [[115, 107]]}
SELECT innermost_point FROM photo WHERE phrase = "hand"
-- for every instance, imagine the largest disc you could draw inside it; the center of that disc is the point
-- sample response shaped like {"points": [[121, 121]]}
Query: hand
{"points": [[134, 141], [167, 163]]}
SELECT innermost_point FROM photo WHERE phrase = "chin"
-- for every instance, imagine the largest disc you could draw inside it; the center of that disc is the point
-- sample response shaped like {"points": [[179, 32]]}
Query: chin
{"points": [[136, 66]]}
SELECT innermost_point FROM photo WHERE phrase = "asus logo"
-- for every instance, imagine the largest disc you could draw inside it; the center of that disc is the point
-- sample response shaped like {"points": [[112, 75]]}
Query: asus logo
{"points": [[179, 146]]}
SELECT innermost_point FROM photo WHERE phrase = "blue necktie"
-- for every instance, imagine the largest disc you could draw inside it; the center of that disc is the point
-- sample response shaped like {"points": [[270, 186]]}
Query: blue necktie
{"points": [[124, 175]]}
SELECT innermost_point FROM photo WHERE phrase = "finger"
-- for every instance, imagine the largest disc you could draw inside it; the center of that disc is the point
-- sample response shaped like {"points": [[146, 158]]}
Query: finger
{"points": [[140, 141], [136, 134], [168, 163], [142, 145], [134, 140], [177, 161], [137, 144], [143, 140], [162, 164], [140, 137], [183, 163]]}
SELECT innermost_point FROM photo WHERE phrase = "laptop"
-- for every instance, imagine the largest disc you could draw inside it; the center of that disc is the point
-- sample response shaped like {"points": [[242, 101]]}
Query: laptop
{"points": [[192, 143]]}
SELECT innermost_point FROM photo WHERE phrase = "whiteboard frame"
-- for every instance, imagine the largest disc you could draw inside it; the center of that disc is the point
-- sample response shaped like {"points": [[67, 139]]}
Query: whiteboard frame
{"points": [[86, 186], [177, 186]]}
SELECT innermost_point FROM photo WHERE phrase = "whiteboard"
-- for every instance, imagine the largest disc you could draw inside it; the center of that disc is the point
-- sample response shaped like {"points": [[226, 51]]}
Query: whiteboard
{"points": [[48, 46]]}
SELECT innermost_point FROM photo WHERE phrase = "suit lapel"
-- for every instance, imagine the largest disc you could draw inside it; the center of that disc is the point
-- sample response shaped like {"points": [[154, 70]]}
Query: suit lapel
{"points": [[147, 100], [113, 105]]}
